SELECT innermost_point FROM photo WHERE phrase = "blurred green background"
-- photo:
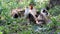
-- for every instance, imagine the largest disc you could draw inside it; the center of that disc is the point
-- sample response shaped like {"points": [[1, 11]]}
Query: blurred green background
{"points": [[9, 25]]}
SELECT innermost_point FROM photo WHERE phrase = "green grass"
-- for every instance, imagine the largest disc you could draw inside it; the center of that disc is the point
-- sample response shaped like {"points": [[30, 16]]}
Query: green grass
{"points": [[18, 26]]}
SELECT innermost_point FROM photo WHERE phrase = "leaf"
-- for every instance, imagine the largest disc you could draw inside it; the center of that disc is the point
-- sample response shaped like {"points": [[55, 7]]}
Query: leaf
{"points": [[1, 32]]}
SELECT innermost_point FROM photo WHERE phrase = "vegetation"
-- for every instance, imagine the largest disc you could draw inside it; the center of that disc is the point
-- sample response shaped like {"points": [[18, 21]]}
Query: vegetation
{"points": [[9, 25]]}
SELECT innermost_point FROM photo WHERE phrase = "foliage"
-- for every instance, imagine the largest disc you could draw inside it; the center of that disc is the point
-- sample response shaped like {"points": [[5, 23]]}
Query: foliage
{"points": [[55, 10], [9, 25]]}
